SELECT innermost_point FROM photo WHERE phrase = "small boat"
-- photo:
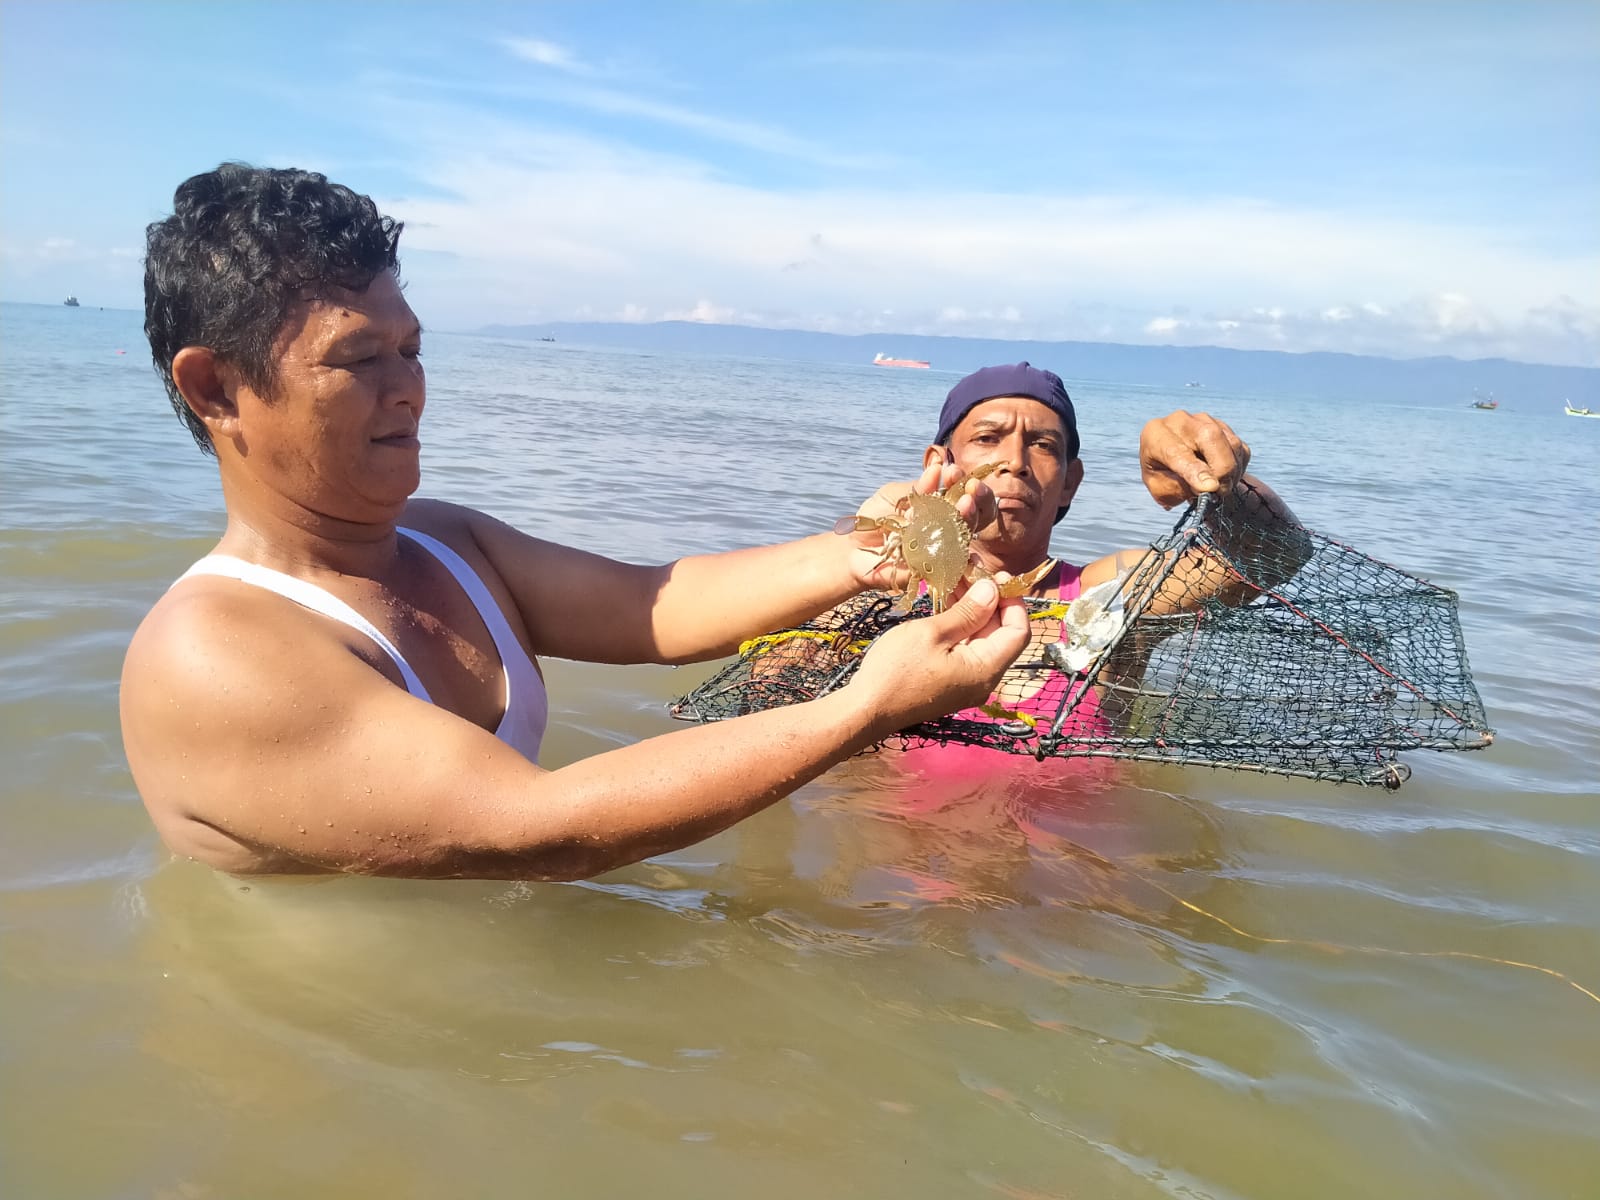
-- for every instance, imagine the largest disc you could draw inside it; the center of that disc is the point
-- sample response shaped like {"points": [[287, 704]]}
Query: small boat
{"points": [[883, 360], [1194, 383], [1578, 412], [71, 302], [1491, 403]]}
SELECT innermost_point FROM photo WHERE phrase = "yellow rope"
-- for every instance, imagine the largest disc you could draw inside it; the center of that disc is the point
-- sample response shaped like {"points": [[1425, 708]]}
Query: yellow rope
{"points": [[767, 641], [1000, 712], [1334, 947]]}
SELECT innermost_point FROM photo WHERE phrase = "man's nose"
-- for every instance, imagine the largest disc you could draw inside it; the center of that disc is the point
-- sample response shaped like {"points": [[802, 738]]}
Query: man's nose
{"points": [[403, 381], [1014, 454]]}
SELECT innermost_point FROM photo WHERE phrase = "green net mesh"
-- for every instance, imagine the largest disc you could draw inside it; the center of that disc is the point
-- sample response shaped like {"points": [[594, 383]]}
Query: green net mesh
{"points": [[1233, 642]]}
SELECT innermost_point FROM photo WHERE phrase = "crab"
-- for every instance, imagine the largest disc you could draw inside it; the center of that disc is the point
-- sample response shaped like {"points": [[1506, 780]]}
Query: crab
{"points": [[930, 537]]}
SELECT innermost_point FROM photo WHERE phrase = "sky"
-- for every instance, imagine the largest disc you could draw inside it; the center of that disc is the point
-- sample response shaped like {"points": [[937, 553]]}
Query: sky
{"points": [[1401, 179]]}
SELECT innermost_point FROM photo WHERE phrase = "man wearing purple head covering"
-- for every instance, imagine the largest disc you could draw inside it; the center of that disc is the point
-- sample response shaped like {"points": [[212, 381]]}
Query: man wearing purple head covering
{"points": [[1021, 419]]}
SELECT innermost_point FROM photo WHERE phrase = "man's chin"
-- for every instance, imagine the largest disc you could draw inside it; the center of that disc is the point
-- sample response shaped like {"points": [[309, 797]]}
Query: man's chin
{"points": [[1009, 530]]}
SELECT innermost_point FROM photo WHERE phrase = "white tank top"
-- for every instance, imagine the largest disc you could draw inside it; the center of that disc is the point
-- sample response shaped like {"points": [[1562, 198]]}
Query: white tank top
{"points": [[527, 705]]}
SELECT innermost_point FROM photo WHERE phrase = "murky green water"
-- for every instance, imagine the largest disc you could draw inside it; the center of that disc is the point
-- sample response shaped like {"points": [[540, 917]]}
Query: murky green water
{"points": [[1148, 982]]}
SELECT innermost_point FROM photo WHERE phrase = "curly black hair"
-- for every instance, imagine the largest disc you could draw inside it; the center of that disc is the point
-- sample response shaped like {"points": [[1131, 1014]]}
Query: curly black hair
{"points": [[242, 245]]}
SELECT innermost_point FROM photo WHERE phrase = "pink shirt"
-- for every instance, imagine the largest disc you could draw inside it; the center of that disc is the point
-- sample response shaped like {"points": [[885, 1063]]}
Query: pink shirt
{"points": [[966, 767]]}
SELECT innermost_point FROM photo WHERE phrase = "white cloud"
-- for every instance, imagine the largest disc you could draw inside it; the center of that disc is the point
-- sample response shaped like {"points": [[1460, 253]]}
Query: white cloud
{"points": [[1443, 323], [557, 225], [53, 249], [545, 54], [704, 312], [609, 101]]}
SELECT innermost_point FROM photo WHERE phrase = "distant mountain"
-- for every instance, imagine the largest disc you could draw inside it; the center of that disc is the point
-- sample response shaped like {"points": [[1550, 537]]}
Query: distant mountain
{"points": [[1311, 374]]}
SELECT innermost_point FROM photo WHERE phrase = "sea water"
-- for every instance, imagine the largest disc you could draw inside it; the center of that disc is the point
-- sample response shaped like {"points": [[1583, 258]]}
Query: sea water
{"points": [[1163, 982]]}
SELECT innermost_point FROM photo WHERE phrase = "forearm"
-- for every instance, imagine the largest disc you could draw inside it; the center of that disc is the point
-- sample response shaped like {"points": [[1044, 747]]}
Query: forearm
{"points": [[1254, 527], [330, 767], [670, 791], [706, 605], [1251, 541], [675, 790]]}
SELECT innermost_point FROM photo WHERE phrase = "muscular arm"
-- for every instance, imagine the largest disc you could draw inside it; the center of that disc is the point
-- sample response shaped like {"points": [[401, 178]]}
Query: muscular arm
{"points": [[1251, 518], [582, 606], [261, 743], [1182, 456]]}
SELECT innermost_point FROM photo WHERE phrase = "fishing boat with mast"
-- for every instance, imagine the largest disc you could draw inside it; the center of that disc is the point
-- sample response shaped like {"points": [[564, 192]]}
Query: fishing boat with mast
{"points": [[1483, 402], [883, 360], [1578, 412]]}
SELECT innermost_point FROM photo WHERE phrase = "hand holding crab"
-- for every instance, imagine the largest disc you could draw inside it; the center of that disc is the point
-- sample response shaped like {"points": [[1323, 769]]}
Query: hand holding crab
{"points": [[926, 538]]}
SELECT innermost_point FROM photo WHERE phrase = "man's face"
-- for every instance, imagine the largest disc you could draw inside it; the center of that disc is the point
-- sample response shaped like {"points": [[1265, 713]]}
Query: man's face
{"points": [[338, 434], [1034, 478]]}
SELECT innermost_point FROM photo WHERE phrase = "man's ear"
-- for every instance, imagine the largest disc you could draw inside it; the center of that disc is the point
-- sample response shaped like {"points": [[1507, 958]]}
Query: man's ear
{"points": [[936, 454], [1074, 479], [207, 386]]}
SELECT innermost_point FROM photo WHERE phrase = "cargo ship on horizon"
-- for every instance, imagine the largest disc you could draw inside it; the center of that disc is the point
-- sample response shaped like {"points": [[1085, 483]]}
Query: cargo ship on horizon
{"points": [[883, 360]]}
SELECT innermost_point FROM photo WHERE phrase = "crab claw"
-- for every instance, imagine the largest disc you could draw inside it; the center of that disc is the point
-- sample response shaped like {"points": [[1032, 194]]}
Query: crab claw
{"points": [[1017, 585], [854, 524], [1021, 585]]}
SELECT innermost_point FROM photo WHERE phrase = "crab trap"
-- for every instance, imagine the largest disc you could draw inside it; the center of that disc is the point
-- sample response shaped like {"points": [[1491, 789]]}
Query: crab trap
{"points": [[1234, 642]]}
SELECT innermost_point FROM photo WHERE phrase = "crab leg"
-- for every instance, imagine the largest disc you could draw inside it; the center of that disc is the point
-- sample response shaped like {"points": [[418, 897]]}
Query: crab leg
{"points": [[955, 490], [888, 526]]}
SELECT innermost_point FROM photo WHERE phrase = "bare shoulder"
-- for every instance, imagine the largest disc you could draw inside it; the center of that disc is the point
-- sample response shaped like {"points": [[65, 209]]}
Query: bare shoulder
{"points": [[438, 516], [261, 741], [483, 540], [572, 603], [1102, 570], [214, 670]]}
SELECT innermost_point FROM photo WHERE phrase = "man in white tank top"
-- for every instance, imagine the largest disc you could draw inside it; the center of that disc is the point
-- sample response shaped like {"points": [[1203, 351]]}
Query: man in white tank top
{"points": [[350, 683]]}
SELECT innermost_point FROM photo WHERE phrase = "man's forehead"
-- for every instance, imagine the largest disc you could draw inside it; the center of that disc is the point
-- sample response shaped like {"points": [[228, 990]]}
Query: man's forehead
{"points": [[338, 311], [1006, 411]]}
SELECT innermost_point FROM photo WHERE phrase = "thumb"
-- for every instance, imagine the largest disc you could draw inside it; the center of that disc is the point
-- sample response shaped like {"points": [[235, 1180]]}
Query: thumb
{"points": [[972, 612]]}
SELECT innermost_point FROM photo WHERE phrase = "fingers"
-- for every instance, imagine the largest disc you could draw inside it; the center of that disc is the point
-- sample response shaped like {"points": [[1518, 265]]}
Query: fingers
{"points": [[977, 505], [932, 478], [972, 612], [998, 643], [1185, 454], [1223, 455], [926, 668], [996, 630]]}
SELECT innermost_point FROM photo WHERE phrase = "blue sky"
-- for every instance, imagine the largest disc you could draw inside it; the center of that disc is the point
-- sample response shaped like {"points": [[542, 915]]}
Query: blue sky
{"points": [[1399, 179]]}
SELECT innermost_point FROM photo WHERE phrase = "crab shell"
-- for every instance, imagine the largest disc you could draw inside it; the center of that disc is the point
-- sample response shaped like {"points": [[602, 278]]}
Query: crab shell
{"points": [[934, 541], [936, 545]]}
